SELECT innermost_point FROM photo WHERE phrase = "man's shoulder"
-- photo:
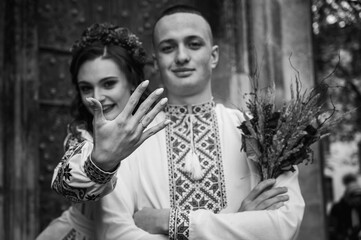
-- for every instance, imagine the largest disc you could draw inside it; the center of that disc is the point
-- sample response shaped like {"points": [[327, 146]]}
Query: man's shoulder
{"points": [[232, 112]]}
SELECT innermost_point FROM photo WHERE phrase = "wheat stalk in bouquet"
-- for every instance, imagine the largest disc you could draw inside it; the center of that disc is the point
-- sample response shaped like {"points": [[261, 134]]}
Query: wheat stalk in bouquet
{"points": [[279, 139]]}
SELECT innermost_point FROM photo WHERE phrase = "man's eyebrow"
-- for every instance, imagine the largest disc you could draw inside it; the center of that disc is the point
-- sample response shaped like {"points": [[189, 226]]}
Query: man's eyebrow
{"points": [[195, 37], [165, 41], [170, 40]]}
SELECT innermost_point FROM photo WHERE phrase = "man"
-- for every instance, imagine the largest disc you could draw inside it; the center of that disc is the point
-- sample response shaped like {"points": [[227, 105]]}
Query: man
{"points": [[345, 215], [190, 181]]}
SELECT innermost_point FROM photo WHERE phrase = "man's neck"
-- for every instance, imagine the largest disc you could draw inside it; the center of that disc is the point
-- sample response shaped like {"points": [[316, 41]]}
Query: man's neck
{"points": [[194, 100], [203, 97]]}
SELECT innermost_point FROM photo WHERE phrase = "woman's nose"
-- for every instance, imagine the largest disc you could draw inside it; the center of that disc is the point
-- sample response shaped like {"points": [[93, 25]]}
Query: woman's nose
{"points": [[98, 95]]}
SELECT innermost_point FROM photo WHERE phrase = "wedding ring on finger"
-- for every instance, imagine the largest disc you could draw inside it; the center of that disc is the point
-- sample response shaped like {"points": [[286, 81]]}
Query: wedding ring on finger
{"points": [[143, 125]]}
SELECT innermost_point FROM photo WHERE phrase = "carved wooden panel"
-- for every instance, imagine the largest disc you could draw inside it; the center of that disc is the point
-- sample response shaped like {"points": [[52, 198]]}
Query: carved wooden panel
{"points": [[55, 78]]}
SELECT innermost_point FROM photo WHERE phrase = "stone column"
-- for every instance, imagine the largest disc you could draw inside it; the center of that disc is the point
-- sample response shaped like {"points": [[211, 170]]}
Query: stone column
{"points": [[297, 40], [279, 38]]}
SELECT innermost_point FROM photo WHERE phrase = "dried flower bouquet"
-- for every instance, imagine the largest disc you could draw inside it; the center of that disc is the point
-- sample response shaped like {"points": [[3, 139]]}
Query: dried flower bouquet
{"points": [[279, 139]]}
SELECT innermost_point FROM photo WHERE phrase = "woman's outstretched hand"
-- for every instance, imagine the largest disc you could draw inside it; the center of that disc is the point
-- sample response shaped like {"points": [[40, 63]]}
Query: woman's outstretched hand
{"points": [[116, 139], [265, 197]]}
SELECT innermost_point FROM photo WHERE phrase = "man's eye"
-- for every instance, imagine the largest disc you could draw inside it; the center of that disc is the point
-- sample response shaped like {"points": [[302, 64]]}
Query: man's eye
{"points": [[195, 45], [166, 49]]}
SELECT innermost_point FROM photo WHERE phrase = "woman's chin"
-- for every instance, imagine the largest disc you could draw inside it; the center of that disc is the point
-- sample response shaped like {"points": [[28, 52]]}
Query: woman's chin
{"points": [[111, 115]]}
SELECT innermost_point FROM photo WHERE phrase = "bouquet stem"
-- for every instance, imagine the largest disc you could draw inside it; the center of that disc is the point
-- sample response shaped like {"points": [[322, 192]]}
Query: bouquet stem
{"points": [[266, 173]]}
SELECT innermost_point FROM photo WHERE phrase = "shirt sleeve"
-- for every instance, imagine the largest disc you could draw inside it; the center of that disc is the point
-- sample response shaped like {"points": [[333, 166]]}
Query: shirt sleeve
{"points": [[118, 208], [280, 224], [76, 177]]}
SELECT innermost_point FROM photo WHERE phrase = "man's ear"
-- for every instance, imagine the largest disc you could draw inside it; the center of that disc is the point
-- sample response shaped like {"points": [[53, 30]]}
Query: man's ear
{"points": [[214, 56], [155, 62]]}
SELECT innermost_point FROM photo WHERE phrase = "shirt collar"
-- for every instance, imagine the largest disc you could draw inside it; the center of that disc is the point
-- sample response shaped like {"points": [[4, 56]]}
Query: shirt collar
{"points": [[190, 109]]}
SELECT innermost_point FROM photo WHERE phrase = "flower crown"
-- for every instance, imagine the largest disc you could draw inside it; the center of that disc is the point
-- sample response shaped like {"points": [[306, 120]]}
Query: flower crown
{"points": [[109, 34]]}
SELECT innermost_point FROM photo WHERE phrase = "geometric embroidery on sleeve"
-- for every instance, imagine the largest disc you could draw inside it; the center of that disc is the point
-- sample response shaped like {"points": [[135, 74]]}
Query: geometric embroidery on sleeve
{"points": [[71, 235], [95, 174], [73, 194], [179, 224]]}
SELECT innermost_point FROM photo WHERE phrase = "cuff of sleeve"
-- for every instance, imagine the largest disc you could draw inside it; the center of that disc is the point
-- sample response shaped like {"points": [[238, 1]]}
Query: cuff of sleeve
{"points": [[178, 224], [96, 174]]}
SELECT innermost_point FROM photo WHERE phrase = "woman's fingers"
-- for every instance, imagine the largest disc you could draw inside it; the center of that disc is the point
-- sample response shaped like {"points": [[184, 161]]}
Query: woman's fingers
{"points": [[149, 117], [97, 108], [141, 117], [134, 98], [147, 105], [153, 130]]}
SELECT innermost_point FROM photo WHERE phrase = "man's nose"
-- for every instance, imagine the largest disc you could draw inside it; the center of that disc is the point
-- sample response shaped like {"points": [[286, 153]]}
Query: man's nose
{"points": [[182, 55]]}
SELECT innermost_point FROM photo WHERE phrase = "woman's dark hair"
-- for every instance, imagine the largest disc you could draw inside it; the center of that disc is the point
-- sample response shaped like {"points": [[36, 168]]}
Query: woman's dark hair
{"points": [[108, 42]]}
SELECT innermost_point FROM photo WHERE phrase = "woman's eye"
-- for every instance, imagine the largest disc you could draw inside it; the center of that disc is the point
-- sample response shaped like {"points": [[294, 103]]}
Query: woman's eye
{"points": [[109, 84], [85, 89]]}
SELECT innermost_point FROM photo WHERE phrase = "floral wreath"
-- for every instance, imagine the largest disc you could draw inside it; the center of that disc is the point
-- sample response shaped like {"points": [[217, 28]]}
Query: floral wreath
{"points": [[109, 34]]}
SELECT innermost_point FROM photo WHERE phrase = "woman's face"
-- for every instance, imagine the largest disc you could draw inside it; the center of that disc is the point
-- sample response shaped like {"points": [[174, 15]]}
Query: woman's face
{"points": [[103, 80]]}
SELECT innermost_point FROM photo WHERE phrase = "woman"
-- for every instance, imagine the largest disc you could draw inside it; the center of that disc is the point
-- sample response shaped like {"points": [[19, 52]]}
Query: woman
{"points": [[106, 68]]}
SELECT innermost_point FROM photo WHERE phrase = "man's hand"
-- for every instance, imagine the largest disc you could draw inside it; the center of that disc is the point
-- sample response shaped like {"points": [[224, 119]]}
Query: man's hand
{"points": [[155, 221], [116, 139], [264, 197]]}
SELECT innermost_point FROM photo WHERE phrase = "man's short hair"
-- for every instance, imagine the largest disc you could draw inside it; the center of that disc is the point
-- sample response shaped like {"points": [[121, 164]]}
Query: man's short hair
{"points": [[180, 8]]}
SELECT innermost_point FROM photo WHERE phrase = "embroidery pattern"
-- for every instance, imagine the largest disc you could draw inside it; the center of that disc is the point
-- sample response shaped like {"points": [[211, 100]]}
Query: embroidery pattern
{"points": [[95, 174], [186, 193], [72, 193], [179, 225], [74, 146], [71, 235]]}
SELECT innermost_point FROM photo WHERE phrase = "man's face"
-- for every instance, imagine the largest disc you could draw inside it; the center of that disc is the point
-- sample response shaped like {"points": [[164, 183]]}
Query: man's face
{"points": [[185, 55]]}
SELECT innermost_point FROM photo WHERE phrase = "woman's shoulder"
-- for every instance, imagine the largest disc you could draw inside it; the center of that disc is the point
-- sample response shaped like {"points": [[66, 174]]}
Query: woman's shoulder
{"points": [[77, 134]]}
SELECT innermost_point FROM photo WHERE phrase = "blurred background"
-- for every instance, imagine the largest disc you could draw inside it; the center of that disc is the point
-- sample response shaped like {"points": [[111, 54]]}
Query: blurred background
{"points": [[319, 38]]}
